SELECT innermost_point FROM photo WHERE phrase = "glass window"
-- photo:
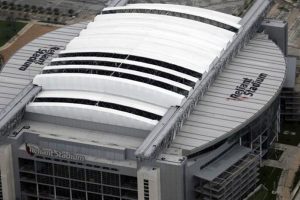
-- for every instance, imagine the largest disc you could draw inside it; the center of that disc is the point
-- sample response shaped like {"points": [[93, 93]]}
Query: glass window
{"points": [[46, 191], [26, 165], [62, 193], [93, 176], [110, 179], [129, 182], [61, 170], [62, 182], [44, 168], [28, 188], [111, 190], [92, 196], [78, 195], [28, 197], [129, 194], [24, 176], [93, 188], [110, 198], [77, 173], [45, 179], [78, 185]]}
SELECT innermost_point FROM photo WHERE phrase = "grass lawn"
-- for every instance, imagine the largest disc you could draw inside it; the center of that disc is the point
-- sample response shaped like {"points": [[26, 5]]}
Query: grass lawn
{"points": [[274, 154], [269, 177], [296, 178], [8, 30], [261, 194], [290, 133]]}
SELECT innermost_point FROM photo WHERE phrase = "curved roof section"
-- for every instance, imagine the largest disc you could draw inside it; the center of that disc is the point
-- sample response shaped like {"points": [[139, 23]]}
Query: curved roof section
{"points": [[120, 62], [219, 114], [92, 114], [108, 85], [189, 44], [200, 12], [153, 61], [104, 97]]}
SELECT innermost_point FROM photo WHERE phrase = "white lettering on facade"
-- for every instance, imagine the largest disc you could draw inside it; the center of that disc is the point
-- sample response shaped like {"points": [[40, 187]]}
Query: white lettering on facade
{"points": [[35, 150]]}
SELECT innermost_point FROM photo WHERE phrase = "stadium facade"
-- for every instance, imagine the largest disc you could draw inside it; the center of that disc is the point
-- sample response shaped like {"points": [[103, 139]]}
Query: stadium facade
{"points": [[147, 102]]}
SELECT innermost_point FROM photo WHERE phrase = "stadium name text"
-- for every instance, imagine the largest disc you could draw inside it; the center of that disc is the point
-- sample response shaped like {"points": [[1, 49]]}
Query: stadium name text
{"points": [[39, 57], [35, 150], [247, 88]]}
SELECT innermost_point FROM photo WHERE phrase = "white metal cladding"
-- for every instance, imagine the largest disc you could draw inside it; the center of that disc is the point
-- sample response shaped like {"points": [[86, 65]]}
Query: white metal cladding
{"points": [[13, 81], [217, 114], [128, 21], [91, 113], [188, 44], [205, 13], [104, 97], [194, 48], [133, 72], [109, 85], [130, 62]]}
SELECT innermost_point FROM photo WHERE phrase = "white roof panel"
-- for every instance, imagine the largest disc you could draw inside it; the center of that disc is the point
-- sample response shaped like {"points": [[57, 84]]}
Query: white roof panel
{"points": [[201, 12], [187, 42], [130, 62], [104, 97], [128, 71], [163, 50], [92, 114], [109, 85], [178, 46]]}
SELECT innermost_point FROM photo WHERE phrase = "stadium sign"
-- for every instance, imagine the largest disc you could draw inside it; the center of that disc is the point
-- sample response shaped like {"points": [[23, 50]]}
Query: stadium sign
{"points": [[39, 57], [35, 150], [247, 88]]}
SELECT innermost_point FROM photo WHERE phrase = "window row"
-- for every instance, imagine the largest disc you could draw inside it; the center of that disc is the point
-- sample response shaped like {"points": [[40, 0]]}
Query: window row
{"points": [[132, 58], [120, 65], [102, 104]]}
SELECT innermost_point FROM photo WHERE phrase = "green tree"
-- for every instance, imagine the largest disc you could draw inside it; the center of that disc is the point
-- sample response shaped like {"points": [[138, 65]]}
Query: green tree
{"points": [[71, 11], [1, 61]]}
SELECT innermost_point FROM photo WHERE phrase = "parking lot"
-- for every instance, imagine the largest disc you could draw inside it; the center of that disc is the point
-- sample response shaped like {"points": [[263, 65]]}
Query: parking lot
{"points": [[59, 11]]}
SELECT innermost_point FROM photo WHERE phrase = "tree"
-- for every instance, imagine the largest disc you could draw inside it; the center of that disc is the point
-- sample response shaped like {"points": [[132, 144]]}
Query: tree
{"points": [[12, 21], [49, 10], [56, 11], [1, 61], [33, 7], [41, 9], [19, 7], [26, 7], [26, 16], [71, 11]]}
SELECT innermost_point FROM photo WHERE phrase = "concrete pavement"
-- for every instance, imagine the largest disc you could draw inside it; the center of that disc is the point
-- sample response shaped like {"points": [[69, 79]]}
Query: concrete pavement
{"points": [[289, 163]]}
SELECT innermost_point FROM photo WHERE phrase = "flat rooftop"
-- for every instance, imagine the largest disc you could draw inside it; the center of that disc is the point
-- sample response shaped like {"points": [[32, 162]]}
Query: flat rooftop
{"points": [[80, 135]]}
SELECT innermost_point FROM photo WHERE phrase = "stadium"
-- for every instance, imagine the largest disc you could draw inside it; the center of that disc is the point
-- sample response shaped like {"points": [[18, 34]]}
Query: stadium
{"points": [[147, 102]]}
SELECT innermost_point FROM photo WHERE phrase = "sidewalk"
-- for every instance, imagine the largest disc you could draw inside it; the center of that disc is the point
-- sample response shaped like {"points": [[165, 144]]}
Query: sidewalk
{"points": [[30, 32], [13, 39], [289, 163]]}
